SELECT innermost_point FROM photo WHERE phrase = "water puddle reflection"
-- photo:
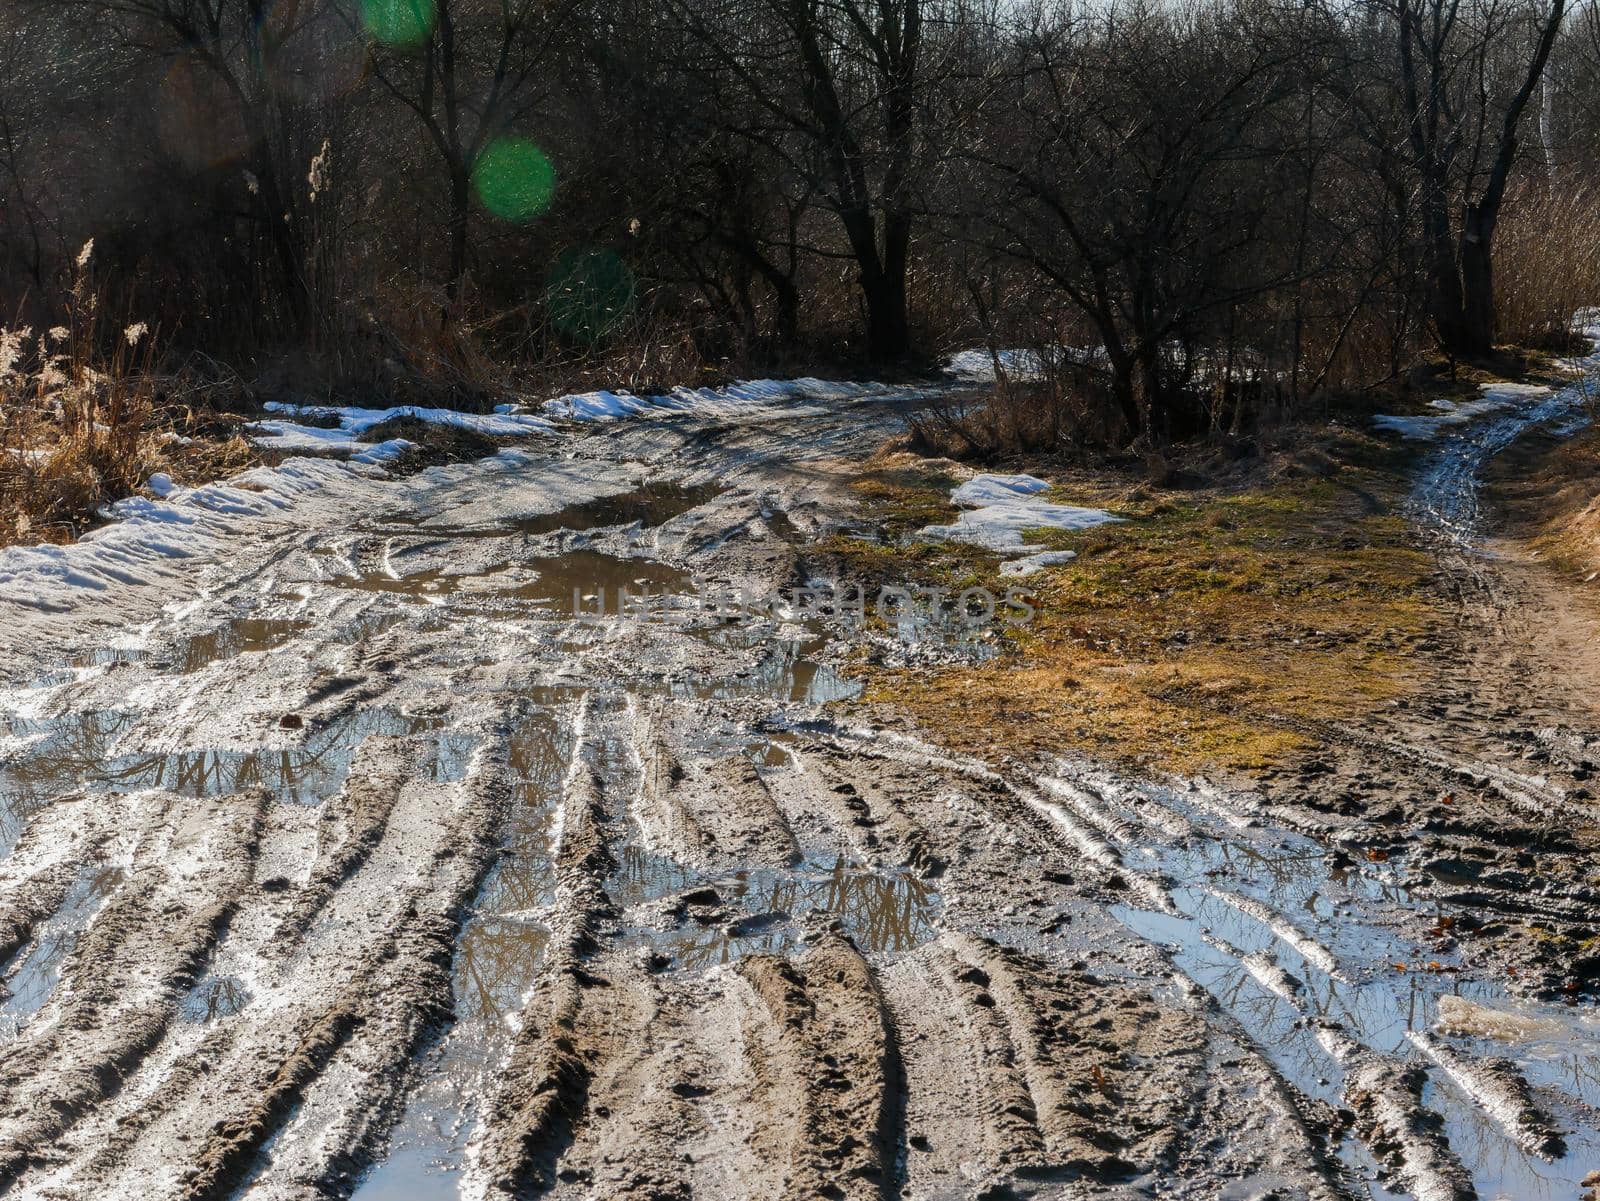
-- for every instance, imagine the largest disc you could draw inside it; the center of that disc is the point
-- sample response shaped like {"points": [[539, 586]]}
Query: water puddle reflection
{"points": [[76, 753], [497, 961], [1240, 909], [716, 919], [32, 975]]}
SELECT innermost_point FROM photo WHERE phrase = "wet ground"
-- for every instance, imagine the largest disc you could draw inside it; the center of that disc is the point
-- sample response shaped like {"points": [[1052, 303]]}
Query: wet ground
{"points": [[459, 847]]}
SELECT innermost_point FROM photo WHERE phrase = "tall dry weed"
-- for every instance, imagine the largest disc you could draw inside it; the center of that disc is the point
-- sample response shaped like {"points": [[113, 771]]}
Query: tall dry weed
{"points": [[77, 407], [1547, 262]]}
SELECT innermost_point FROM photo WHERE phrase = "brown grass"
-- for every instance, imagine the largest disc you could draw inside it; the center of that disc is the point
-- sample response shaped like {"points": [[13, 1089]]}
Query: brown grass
{"points": [[85, 420], [1547, 262], [1179, 637]]}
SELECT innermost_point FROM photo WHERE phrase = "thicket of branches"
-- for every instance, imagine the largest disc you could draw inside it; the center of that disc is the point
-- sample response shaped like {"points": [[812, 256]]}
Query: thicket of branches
{"points": [[1196, 212]]}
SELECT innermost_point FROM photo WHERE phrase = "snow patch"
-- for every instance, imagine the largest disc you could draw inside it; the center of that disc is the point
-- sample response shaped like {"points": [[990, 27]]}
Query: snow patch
{"points": [[1492, 398], [149, 537], [734, 400], [1031, 563], [354, 422], [384, 452], [978, 366], [1001, 509]]}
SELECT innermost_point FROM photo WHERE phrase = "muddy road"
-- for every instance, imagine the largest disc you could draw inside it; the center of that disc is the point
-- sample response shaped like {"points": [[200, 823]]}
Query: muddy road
{"points": [[349, 853]]}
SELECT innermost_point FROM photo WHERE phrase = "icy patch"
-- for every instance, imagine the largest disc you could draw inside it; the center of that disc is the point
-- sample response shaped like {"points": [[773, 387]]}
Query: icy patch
{"points": [[1003, 508], [734, 400], [1492, 398]]}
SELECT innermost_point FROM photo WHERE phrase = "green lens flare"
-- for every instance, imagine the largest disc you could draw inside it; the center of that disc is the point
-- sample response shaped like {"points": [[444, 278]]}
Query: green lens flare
{"points": [[399, 22], [589, 293], [513, 179]]}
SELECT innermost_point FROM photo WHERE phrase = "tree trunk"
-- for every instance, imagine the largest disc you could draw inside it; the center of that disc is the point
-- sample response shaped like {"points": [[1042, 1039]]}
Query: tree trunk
{"points": [[888, 334], [460, 210], [883, 282], [1477, 283], [1446, 304], [787, 298]]}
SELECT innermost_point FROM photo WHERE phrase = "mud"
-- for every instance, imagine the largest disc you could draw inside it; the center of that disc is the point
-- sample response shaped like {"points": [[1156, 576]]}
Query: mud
{"points": [[389, 858]]}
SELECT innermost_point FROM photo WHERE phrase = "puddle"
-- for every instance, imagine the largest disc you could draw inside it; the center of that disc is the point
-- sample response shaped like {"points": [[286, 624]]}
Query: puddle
{"points": [[650, 504], [577, 583], [757, 911], [788, 671], [74, 754], [497, 960], [32, 975], [214, 997], [240, 635], [1240, 909]]}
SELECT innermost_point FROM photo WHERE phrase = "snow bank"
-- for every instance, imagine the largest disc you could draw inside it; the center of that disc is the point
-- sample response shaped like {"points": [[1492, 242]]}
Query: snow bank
{"points": [[512, 420], [150, 538], [353, 422], [1002, 508]]}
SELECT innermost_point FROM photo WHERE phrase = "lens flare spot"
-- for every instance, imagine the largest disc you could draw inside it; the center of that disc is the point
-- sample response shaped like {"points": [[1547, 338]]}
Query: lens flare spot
{"points": [[399, 22], [513, 178], [589, 293]]}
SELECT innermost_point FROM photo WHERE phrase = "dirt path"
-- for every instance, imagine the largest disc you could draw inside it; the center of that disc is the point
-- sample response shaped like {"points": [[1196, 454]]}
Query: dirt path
{"points": [[363, 860]]}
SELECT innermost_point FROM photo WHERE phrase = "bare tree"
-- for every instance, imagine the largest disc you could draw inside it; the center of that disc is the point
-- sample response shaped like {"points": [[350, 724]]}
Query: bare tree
{"points": [[832, 88], [478, 71], [1467, 70]]}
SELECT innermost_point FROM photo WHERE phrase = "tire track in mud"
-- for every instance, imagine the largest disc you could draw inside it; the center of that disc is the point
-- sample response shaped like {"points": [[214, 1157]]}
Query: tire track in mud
{"points": [[545, 1081], [121, 987], [43, 865], [1014, 1038], [350, 964]]}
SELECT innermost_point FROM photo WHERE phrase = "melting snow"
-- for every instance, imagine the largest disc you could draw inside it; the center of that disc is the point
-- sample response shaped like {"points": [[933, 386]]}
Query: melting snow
{"points": [[1002, 508], [353, 422], [1452, 413], [1032, 563], [733, 400]]}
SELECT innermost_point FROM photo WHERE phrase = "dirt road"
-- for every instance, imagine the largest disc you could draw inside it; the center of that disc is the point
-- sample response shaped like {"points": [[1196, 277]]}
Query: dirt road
{"points": [[352, 855]]}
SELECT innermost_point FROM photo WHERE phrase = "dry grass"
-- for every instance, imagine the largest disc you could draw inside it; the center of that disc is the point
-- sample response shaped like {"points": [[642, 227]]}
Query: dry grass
{"points": [[1549, 490], [1177, 638], [85, 420], [1547, 263]]}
